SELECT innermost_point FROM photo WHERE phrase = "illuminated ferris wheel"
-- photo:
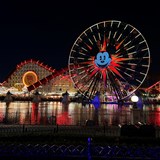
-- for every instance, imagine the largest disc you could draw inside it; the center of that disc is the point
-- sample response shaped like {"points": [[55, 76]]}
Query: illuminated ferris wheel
{"points": [[110, 58]]}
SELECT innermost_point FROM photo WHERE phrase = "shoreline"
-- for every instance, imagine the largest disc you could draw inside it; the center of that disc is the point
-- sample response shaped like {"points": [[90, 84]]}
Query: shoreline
{"points": [[43, 99]]}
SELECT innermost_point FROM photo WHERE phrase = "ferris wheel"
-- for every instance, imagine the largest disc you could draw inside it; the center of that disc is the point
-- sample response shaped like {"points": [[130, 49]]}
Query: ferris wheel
{"points": [[109, 58]]}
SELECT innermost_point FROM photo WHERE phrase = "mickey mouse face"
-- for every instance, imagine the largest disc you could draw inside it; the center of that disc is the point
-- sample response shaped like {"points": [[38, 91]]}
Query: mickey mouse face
{"points": [[102, 59]]}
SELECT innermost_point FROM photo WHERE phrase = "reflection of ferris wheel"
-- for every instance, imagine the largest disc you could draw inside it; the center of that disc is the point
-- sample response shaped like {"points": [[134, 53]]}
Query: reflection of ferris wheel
{"points": [[109, 57]]}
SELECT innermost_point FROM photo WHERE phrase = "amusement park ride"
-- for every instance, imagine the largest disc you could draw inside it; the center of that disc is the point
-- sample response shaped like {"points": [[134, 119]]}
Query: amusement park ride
{"points": [[110, 58], [155, 86]]}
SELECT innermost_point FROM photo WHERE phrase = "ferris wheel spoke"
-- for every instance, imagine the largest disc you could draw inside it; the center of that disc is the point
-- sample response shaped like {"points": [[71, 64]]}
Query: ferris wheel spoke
{"points": [[122, 32], [116, 86], [91, 87], [93, 90], [127, 41]]}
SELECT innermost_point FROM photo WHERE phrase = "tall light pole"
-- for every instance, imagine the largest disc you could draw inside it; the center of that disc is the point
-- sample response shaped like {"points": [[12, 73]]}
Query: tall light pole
{"points": [[135, 111], [134, 99]]}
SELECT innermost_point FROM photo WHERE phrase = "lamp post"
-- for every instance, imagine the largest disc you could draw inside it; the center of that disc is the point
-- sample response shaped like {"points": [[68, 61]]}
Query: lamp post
{"points": [[135, 111], [134, 99]]}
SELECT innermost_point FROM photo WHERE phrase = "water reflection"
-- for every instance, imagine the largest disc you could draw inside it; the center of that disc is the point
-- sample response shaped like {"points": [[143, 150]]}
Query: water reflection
{"points": [[64, 118], [35, 118], [75, 113]]}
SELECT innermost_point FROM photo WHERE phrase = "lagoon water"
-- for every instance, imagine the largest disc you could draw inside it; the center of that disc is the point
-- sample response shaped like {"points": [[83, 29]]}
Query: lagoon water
{"points": [[44, 113]]}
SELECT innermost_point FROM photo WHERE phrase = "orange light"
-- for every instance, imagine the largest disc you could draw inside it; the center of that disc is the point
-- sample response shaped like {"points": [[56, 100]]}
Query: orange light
{"points": [[29, 78]]}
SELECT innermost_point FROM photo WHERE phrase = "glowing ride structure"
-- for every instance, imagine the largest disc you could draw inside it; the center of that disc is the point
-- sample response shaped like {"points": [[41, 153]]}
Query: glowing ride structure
{"points": [[111, 58]]}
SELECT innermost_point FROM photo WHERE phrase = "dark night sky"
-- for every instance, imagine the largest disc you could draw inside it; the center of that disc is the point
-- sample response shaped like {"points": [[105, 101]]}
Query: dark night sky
{"points": [[46, 31]]}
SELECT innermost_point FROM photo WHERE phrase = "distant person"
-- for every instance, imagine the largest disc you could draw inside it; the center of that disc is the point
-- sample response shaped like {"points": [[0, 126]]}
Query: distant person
{"points": [[8, 98], [65, 99]]}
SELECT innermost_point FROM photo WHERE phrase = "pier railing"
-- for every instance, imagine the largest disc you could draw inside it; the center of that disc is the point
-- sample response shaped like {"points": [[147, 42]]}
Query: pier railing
{"points": [[143, 131]]}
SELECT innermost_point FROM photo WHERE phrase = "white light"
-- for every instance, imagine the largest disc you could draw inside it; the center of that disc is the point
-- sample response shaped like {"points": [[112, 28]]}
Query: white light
{"points": [[134, 98]]}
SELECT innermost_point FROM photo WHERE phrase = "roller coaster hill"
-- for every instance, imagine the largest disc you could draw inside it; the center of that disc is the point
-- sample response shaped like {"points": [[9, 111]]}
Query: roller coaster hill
{"points": [[31, 76]]}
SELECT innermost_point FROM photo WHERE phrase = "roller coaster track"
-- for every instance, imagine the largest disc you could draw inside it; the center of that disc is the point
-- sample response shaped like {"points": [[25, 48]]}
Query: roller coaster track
{"points": [[154, 86], [46, 79]]}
